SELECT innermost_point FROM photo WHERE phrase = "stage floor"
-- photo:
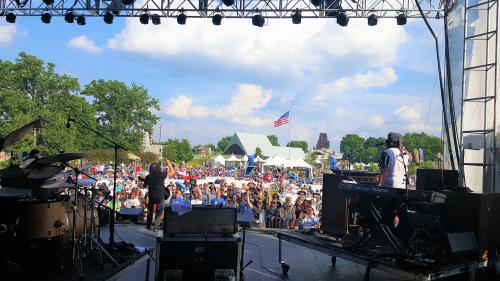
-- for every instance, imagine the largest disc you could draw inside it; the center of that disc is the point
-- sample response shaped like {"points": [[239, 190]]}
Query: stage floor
{"points": [[305, 264]]}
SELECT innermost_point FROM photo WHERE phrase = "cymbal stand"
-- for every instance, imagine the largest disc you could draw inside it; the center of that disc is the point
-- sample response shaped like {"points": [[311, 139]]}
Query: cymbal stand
{"points": [[77, 259]]}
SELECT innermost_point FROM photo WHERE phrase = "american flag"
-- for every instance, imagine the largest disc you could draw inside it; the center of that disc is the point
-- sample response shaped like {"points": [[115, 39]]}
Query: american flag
{"points": [[282, 120]]}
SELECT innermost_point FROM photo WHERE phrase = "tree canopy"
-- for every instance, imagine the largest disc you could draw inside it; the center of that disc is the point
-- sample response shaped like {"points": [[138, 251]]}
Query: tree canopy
{"points": [[297, 143], [223, 143], [30, 88], [274, 140], [351, 146], [178, 151]]}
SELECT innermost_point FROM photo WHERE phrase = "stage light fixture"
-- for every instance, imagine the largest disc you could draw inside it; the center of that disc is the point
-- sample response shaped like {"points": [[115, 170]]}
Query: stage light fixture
{"points": [[108, 18], [155, 19], [10, 18], [342, 19], [258, 20], [80, 20], [217, 19], [127, 2], [228, 2], [401, 19], [297, 17], [69, 17], [317, 3], [181, 18], [48, 2], [372, 20], [46, 17], [144, 18]]}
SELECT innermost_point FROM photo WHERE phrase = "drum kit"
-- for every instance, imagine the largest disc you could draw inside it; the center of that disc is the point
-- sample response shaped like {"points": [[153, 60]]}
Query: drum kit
{"points": [[47, 210]]}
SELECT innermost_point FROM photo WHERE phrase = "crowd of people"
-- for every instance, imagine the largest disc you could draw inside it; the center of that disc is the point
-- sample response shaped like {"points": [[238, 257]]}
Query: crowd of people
{"points": [[272, 199]]}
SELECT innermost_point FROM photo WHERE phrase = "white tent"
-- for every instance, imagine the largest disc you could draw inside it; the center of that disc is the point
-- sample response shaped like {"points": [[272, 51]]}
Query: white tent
{"points": [[232, 161], [244, 159], [296, 163], [220, 160], [275, 161], [259, 160]]}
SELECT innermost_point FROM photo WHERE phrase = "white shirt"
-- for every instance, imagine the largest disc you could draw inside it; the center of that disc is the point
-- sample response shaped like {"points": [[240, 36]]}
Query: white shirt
{"points": [[395, 163]]}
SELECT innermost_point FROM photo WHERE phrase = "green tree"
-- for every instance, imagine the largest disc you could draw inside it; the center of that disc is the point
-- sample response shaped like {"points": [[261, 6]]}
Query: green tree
{"points": [[258, 152], [223, 143], [178, 151], [123, 113], [350, 145], [30, 88], [212, 147], [297, 143], [412, 168], [273, 139], [430, 144]]}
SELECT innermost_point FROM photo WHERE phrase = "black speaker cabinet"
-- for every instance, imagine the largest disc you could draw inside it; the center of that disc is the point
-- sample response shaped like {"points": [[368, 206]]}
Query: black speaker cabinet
{"points": [[437, 180], [201, 220], [200, 257], [335, 212]]}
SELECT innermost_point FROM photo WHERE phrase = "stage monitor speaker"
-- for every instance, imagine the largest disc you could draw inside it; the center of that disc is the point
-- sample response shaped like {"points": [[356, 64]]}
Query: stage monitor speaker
{"points": [[437, 180], [334, 219], [460, 243], [201, 220]]}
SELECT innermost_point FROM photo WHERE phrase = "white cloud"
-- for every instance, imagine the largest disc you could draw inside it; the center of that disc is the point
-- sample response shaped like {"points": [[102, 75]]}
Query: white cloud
{"points": [[341, 111], [279, 48], [409, 113], [385, 77], [242, 109], [376, 121], [7, 33], [83, 43]]}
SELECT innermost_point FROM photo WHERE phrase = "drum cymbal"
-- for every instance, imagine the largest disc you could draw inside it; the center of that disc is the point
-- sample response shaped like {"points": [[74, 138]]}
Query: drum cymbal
{"points": [[61, 158], [44, 172], [13, 192], [58, 184], [13, 172]]}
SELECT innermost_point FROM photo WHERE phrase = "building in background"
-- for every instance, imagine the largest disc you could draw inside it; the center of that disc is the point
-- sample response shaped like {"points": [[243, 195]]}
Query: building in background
{"points": [[323, 142], [246, 143]]}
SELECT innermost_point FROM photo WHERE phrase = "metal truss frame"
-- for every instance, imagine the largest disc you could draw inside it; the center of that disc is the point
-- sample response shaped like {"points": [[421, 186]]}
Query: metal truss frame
{"points": [[240, 8]]}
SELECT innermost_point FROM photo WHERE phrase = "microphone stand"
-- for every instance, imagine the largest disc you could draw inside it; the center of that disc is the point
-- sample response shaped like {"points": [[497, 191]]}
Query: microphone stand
{"points": [[116, 147]]}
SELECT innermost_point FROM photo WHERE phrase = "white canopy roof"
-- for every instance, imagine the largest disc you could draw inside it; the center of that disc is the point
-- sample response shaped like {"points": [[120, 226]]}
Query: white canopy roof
{"points": [[219, 159], [232, 159], [296, 163], [258, 159], [244, 159], [275, 161]]}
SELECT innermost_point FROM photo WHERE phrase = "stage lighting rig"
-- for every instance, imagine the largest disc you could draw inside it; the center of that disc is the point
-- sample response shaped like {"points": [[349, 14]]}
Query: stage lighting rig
{"points": [[217, 19], [144, 18], [80, 20], [317, 3], [46, 17], [69, 17], [342, 19], [372, 20], [228, 2], [48, 2], [258, 20], [155, 19], [10, 17], [401, 19], [297, 17], [108, 18], [181, 18]]}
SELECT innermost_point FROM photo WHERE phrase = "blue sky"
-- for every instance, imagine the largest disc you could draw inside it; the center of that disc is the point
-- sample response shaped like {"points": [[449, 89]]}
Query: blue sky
{"points": [[212, 81]]}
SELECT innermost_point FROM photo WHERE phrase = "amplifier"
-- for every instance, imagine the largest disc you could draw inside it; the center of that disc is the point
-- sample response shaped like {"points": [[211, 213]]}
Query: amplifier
{"points": [[200, 257], [437, 180], [201, 220], [335, 208]]}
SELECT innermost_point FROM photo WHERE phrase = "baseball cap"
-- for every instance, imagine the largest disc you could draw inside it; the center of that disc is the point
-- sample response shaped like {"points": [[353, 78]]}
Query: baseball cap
{"points": [[393, 137]]}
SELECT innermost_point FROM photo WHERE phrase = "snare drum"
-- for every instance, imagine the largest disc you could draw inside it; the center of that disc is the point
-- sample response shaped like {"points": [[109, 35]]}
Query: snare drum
{"points": [[43, 218]]}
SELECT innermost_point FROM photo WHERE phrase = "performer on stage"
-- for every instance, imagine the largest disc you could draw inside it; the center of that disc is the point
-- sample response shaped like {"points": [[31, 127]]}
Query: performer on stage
{"points": [[155, 182], [393, 163]]}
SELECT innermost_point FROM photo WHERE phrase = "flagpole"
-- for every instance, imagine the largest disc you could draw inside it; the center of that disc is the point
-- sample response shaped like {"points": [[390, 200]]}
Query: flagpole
{"points": [[289, 134]]}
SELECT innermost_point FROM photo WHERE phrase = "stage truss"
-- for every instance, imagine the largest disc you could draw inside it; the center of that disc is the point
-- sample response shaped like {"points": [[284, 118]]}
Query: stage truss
{"points": [[240, 8]]}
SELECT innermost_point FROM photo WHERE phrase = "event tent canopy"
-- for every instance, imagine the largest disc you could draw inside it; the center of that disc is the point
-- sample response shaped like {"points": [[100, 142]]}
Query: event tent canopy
{"points": [[220, 160], [275, 161]]}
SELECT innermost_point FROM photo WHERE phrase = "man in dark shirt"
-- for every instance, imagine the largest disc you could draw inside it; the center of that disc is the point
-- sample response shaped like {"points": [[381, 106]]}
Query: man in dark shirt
{"points": [[155, 182]]}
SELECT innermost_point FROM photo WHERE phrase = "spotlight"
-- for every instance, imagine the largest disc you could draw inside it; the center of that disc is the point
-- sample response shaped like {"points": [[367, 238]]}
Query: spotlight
{"points": [[317, 3], [217, 19], [401, 19], [48, 2], [108, 18], [372, 20], [10, 18], [228, 2], [155, 19], [181, 18], [46, 17], [127, 2], [297, 17], [80, 20], [144, 18], [258, 20], [69, 17], [342, 19]]}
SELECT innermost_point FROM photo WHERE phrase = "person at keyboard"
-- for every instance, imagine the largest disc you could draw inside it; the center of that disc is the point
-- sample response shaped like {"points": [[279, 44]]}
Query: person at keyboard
{"points": [[393, 163]]}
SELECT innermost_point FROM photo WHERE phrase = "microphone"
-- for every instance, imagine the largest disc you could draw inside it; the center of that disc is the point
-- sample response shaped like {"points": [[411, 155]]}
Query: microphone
{"points": [[380, 144], [69, 119]]}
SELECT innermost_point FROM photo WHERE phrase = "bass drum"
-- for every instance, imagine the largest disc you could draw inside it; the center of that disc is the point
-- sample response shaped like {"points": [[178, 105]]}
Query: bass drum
{"points": [[80, 215], [42, 219]]}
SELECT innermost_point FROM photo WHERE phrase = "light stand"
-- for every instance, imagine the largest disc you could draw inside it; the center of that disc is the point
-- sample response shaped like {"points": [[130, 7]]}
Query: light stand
{"points": [[116, 147]]}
